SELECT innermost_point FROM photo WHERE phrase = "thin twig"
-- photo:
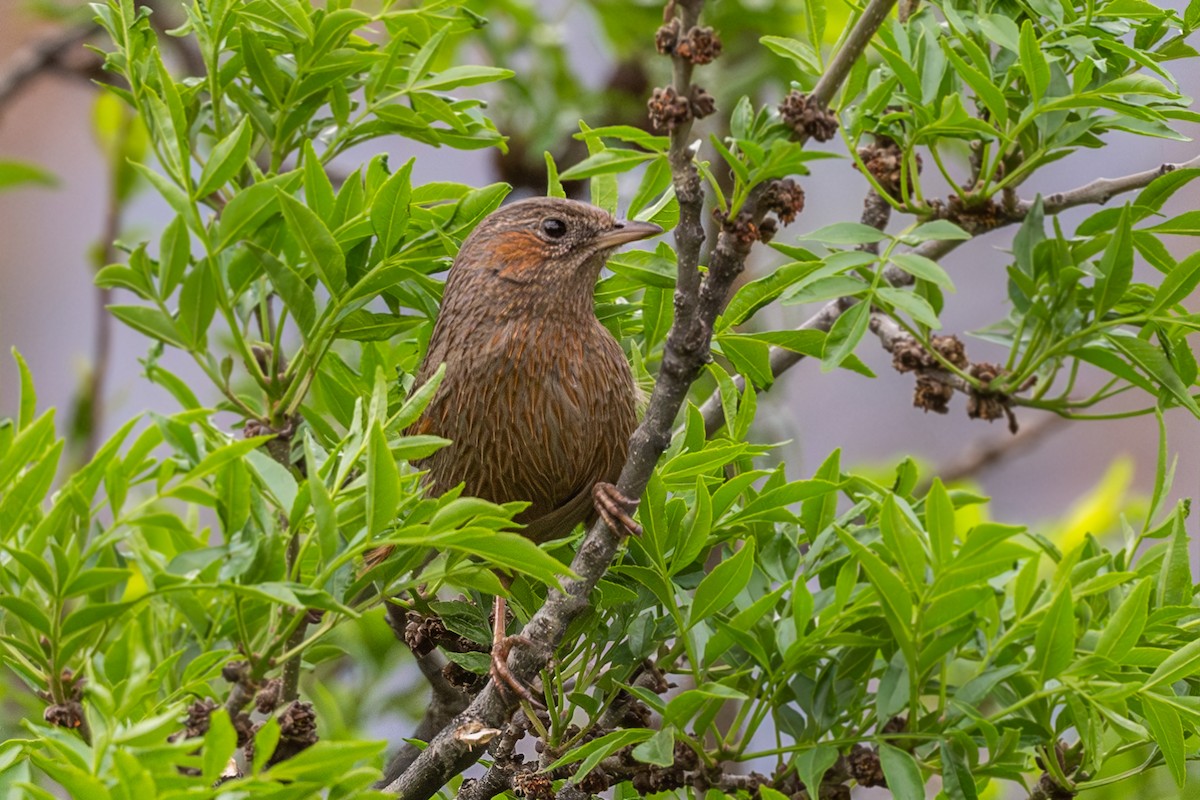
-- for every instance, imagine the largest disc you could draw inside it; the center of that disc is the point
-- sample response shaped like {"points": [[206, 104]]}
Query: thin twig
{"points": [[983, 455], [1097, 192], [40, 56]]}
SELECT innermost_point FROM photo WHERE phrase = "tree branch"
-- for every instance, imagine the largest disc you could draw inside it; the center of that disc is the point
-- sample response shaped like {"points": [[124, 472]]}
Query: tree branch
{"points": [[41, 56], [698, 300], [1097, 192]]}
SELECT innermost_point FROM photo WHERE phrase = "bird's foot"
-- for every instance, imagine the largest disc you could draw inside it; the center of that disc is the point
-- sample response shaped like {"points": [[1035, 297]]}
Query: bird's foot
{"points": [[502, 676], [616, 509]]}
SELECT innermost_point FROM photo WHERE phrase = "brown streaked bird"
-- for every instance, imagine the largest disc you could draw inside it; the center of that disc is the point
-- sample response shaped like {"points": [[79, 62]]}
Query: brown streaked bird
{"points": [[538, 399]]}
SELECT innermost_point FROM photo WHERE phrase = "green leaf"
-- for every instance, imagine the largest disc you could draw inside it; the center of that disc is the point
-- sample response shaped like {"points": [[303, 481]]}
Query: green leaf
{"points": [[554, 187], [17, 173], [1175, 576], [940, 230], [939, 521], [226, 159], [28, 612], [606, 162], [1155, 363], [799, 53], [219, 743], [846, 333], [316, 240], [1054, 645], [724, 583], [1115, 267], [811, 765], [1164, 724], [987, 92], [903, 775], [658, 750], [151, 322], [389, 209], [592, 753], [383, 482], [1125, 626], [893, 596], [292, 289], [1179, 283], [462, 75], [845, 233], [318, 189], [911, 303], [1033, 62], [923, 268], [957, 781]]}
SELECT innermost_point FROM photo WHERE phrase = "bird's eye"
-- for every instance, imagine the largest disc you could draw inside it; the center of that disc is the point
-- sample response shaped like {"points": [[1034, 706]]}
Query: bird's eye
{"points": [[554, 227]]}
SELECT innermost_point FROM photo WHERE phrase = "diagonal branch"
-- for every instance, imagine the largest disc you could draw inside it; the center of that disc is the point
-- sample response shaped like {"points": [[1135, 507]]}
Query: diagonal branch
{"points": [[698, 301], [41, 56], [1097, 192]]}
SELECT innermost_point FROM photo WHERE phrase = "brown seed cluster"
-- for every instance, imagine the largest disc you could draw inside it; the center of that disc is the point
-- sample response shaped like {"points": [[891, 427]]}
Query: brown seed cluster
{"points": [[700, 45], [668, 109], [979, 216], [423, 633], [884, 161], [268, 698], [195, 724], [297, 733], [534, 785], [865, 767], [65, 715], [462, 678], [744, 228], [785, 199], [808, 118], [988, 405], [908, 355]]}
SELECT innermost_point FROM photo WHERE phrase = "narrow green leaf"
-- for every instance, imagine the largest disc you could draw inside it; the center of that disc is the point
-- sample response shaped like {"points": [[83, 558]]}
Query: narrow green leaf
{"points": [[1033, 62], [389, 209], [1115, 267], [1125, 626], [226, 160], [1054, 645], [1164, 724], [383, 482], [316, 240], [724, 583], [903, 775]]}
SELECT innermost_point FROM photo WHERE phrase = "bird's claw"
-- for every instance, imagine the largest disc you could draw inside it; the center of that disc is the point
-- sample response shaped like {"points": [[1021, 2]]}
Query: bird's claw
{"points": [[502, 676], [616, 509]]}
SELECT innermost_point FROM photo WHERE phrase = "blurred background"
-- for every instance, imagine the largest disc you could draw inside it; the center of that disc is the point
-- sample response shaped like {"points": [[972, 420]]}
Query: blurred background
{"points": [[574, 59]]}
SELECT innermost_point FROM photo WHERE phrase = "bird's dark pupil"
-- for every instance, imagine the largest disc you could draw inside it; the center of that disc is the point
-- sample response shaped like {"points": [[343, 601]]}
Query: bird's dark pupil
{"points": [[554, 228]]}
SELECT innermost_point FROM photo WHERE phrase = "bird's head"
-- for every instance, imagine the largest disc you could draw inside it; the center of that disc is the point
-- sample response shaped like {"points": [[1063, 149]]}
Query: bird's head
{"points": [[544, 248]]}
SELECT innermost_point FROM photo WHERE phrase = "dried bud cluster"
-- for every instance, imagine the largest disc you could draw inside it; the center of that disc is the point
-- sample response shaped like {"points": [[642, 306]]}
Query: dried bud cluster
{"points": [[989, 405], [884, 161], [462, 678], [808, 118], [785, 199], [65, 715], [668, 109], [423, 633], [534, 785], [865, 767], [700, 45], [908, 355], [269, 696], [195, 724], [974, 218], [297, 732], [744, 228]]}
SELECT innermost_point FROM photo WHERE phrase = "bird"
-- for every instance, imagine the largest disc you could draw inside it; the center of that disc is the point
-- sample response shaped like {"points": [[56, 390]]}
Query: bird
{"points": [[538, 399]]}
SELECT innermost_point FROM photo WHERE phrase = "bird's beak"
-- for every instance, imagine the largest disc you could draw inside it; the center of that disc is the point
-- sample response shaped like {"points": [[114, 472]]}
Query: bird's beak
{"points": [[625, 231]]}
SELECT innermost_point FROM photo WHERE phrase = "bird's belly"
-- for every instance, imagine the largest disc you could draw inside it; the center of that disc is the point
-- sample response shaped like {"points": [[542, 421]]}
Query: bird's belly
{"points": [[539, 424]]}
